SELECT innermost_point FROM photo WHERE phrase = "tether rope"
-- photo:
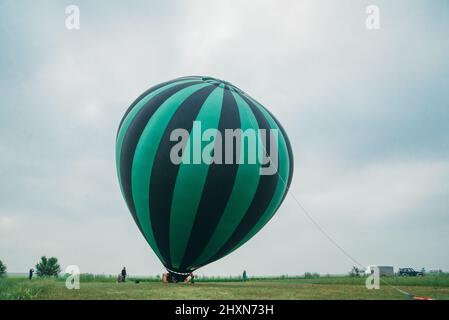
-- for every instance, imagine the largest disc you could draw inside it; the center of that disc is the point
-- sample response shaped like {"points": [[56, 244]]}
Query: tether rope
{"points": [[309, 216]]}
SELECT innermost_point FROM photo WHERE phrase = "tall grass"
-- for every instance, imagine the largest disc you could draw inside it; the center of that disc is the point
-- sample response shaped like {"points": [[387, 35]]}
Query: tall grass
{"points": [[437, 280], [427, 280], [90, 277], [19, 290]]}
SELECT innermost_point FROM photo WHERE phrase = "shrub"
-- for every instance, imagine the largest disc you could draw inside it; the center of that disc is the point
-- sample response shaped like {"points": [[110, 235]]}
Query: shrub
{"points": [[355, 272], [308, 275], [2, 269]]}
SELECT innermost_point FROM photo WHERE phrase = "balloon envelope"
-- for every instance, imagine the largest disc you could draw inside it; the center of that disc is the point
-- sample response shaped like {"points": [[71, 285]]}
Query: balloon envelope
{"points": [[198, 198]]}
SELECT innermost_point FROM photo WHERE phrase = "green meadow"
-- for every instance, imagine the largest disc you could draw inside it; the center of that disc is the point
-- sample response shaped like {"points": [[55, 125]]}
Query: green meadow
{"points": [[324, 287]]}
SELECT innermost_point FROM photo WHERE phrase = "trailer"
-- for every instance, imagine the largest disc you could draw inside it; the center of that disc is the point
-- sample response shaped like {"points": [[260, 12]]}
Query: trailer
{"points": [[384, 271]]}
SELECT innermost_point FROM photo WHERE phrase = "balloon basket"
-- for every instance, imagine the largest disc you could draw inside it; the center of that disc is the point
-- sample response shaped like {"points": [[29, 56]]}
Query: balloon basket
{"points": [[175, 277]]}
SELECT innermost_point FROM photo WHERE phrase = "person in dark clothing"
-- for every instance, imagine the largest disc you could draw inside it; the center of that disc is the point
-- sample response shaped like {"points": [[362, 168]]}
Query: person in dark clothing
{"points": [[124, 274], [244, 276], [30, 274]]}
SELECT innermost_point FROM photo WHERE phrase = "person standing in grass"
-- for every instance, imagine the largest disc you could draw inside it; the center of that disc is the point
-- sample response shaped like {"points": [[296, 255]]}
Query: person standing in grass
{"points": [[244, 276], [30, 274], [124, 274]]}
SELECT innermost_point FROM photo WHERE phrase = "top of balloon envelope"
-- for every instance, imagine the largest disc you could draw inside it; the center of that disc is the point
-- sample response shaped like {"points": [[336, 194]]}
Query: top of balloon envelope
{"points": [[223, 83]]}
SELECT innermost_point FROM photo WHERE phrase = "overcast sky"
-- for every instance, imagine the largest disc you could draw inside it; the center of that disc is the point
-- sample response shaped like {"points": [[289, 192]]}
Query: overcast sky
{"points": [[367, 113]]}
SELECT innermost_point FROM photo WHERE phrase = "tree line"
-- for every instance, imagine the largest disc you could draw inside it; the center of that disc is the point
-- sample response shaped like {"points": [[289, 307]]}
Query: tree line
{"points": [[45, 267]]}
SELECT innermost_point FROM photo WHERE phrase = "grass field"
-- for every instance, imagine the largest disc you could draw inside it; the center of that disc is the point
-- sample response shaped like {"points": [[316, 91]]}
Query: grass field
{"points": [[270, 288]]}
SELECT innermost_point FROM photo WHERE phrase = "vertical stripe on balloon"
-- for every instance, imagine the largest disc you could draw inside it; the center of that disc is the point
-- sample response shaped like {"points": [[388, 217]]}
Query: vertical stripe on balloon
{"points": [[191, 180], [244, 188], [144, 157], [217, 187], [164, 172], [131, 138], [264, 193]]}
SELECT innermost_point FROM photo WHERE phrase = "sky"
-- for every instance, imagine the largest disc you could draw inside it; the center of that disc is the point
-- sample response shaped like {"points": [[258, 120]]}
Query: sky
{"points": [[366, 111]]}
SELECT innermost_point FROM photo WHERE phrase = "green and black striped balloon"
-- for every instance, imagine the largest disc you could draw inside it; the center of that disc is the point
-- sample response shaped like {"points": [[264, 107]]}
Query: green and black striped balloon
{"points": [[194, 214]]}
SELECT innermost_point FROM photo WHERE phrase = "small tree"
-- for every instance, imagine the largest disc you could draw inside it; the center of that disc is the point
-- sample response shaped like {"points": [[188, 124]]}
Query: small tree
{"points": [[48, 267], [355, 272], [2, 269], [308, 275]]}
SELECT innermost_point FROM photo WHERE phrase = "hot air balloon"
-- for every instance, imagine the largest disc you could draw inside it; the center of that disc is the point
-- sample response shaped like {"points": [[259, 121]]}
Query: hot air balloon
{"points": [[190, 212]]}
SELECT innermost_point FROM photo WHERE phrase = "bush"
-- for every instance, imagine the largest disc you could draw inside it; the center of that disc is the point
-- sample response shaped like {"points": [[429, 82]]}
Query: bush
{"points": [[2, 269], [310, 275], [48, 267], [355, 272]]}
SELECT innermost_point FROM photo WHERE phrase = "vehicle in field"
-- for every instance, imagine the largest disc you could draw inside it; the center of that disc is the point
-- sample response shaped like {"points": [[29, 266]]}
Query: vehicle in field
{"points": [[383, 270], [409, 272]]}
